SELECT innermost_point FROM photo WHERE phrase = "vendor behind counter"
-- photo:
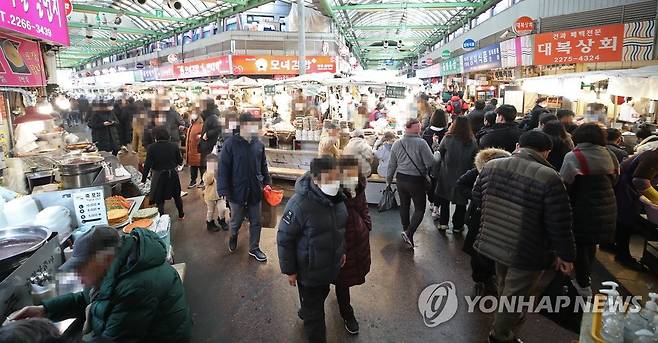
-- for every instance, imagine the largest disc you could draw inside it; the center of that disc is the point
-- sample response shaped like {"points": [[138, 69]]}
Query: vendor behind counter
{"points": [[133, 294]]}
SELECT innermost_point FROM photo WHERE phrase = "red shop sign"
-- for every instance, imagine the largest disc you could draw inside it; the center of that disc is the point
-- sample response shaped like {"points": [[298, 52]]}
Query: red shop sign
{"points": [[68, 7], [21, 64], [584, 45], [281, 65], [523, 26], [214, 66]]}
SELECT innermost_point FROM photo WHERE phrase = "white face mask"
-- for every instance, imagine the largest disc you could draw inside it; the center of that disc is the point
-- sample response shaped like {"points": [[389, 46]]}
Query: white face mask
{"points": [[194, 117], [330, 189], [350, 182]]}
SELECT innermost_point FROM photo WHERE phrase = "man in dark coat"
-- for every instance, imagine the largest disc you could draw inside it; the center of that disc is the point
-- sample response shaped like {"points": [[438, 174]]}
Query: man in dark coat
{"points": [[126, 121], [311, 241], [133, 294], [241, 178], [104, 127], [211, 130], [525, 224], [84, 108], [505, 133], [476, 116]]}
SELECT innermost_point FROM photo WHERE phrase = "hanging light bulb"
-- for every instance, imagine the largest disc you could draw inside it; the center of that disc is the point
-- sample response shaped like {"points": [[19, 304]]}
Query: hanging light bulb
{"points": [[104, 21], [85, 19], [89, 33], [113, 35], [175, 4], [117, 20], [385, 44]]}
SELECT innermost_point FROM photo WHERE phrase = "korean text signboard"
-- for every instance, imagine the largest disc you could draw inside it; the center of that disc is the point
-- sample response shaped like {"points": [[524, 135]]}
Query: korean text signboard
{"points": [[20, 62], [41, 19], [451, 66], [214, 66], [396, 92], [280, 65], [523, 26], [584, 45], [482, 59]]}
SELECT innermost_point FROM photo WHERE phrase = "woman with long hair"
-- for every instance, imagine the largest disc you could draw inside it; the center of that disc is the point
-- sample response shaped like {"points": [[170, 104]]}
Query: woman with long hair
{"points": [[457, 150], [437, 128], [562, 143]]}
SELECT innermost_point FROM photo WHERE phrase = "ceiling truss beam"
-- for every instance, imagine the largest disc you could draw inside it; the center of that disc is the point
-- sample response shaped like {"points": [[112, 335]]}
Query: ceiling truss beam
{"points": [[405, 5], [147, 16]]}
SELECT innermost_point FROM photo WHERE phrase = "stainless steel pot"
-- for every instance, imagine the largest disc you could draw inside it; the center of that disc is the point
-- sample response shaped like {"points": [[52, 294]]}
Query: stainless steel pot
{"points": [[17, 243], [79, 172]]}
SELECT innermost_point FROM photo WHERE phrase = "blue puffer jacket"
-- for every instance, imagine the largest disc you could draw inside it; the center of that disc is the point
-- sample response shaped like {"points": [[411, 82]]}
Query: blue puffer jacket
{"points": [[311, 236], [242, 171]]}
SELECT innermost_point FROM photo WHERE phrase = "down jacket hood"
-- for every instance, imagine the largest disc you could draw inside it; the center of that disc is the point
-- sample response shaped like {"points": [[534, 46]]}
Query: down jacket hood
{"points": [[487, 155], [148, 253]]}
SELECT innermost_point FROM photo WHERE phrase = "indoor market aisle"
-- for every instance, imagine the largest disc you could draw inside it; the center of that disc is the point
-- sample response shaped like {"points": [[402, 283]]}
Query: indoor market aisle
{"points": [[233, 298]]}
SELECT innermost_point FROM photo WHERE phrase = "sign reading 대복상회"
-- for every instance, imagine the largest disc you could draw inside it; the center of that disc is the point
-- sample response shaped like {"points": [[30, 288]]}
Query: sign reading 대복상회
{"points": [[583, 45], [44, 20]]}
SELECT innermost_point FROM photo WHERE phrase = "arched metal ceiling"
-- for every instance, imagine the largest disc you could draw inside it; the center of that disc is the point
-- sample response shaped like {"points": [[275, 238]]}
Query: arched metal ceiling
{"points": [[140, 23], [418, 24]]}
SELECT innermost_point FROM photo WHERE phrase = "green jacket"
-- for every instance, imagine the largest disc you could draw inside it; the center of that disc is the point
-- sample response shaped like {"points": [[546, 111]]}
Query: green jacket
{"points": [[141, 298]]}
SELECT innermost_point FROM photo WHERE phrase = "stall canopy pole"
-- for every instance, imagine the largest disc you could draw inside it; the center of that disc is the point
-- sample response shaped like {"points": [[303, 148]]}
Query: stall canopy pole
{"points": [[302, 37]]}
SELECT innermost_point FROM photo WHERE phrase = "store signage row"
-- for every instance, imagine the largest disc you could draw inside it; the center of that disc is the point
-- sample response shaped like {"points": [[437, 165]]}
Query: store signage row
{"points": [[431, 71], [280, 65], [21, 64], [584, 45], [40, 19], [607, 43], [239, 65], [482, 59]]}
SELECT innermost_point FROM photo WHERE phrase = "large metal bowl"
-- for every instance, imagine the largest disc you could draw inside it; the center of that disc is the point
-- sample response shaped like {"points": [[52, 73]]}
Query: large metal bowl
{"points": [[18, 241], [80, 165]]}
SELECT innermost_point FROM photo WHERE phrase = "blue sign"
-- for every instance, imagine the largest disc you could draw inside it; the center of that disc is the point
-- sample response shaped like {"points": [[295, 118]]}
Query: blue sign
{"points": [[149, 74], [482, 59], [469, 44]]}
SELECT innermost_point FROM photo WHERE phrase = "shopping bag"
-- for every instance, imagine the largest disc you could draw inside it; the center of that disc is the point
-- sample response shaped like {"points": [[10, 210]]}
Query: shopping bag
{"points": [[568, 317], [272, 197], [387, 202]]}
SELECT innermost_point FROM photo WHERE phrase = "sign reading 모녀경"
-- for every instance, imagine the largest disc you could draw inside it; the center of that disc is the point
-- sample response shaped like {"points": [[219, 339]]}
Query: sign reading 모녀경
{"points": [[396, 92], [584, 45], [39, 19], [280, 65], [451, 66], [20, 62], [482, 59]]}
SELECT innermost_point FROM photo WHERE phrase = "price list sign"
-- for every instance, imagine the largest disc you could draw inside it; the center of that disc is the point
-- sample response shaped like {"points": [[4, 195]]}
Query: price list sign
{"points": [[40, 19], [90, 207], [396, 92], [584, 45]]}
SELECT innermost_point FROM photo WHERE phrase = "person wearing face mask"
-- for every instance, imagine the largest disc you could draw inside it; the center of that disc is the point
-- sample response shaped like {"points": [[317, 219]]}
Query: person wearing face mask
{"points": [[382, 150], [311, 241], [357, 239], [242, 176], [193, 157], [411, 161]]}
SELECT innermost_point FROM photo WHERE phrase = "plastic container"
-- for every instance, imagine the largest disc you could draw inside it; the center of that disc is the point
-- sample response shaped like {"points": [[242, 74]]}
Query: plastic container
{"points": [[634, 322], [57, 219], [612, 320]]}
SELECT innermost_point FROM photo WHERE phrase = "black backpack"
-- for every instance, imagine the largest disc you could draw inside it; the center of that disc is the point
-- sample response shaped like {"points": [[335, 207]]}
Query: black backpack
{"points": [[456, 106]]}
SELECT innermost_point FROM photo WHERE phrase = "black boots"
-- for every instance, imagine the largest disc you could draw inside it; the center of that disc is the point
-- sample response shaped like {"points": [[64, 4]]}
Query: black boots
{"points": [[221, 223], [210, 226]]}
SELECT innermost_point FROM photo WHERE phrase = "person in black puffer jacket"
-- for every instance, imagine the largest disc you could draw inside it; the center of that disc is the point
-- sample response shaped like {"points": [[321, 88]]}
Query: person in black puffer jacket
{"points": [[525, 224], [311, 241], [505, 133], [483, 269], [590, 172]]}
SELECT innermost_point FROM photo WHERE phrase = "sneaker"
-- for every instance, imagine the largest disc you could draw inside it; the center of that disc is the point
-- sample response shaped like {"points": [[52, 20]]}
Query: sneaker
{"points": [[407, 240], [442, 227], [582, 291], [201, 185], [457, 229], [493, 340], [181, 216], [630, 262], [222, 224], [210, 226], [258, 255], [435, 214], [352, 326], [192, 184], [232, 243]]}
